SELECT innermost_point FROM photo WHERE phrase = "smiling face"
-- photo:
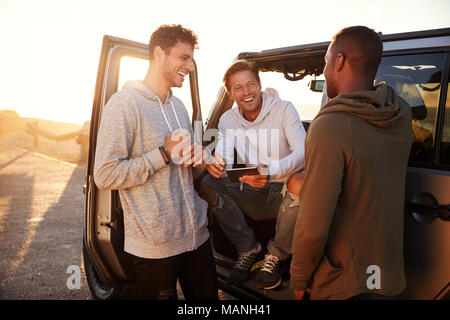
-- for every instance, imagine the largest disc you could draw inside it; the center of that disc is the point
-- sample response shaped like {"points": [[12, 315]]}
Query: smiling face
{"points": [[176, 63], [245, 89]]}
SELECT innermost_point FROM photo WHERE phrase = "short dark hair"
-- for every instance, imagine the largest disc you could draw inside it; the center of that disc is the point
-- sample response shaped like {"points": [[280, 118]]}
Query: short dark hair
{"points": [[237, 66], [361, 46], [167, 36]]}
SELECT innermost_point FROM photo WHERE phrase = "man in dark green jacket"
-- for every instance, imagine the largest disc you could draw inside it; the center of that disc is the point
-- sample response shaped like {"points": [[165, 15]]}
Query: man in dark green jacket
{"points": [[348, 239]]}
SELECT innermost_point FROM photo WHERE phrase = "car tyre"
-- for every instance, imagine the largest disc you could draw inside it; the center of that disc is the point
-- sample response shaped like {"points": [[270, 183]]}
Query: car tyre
{"points": [[98, 289]]}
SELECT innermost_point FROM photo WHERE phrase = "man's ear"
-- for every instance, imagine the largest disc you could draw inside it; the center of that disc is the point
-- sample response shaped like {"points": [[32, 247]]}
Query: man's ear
{"points": [[230, 95], [158, 52], [340, 59]]}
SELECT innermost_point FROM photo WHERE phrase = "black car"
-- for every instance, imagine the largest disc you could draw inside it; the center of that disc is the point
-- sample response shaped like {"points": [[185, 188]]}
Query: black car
{"points": [[415, 64]]}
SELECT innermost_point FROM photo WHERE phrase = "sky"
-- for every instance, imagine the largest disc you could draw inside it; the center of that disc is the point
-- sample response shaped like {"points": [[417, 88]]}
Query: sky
{"points": [[50, 49]]}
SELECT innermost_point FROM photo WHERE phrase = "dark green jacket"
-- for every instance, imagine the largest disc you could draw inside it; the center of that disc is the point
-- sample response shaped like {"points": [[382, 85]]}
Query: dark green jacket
{"points": [[352, 200]]}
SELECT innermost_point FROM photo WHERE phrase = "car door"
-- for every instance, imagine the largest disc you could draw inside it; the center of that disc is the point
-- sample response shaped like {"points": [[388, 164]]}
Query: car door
{"points": [[427, 227], [420, 74], [103, 225]]}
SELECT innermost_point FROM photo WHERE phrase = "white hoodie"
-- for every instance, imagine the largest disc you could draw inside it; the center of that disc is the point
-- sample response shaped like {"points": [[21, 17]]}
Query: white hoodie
{"points": [[275, 138]]}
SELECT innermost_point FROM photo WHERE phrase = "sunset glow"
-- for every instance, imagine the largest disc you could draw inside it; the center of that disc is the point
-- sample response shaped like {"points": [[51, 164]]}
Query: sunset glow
{"points": [[50, 49]]}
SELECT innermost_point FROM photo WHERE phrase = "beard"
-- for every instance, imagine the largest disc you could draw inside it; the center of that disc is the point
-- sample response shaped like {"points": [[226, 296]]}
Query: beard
{"points": [[171, 75]]}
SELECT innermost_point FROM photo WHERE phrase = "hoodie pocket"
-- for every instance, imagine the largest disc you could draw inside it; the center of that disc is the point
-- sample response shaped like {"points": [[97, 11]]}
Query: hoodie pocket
{"points": [[328, 280], [168, 226]]}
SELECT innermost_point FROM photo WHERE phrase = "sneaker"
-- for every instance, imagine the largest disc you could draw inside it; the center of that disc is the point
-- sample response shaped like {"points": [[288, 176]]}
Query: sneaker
{"points": [[242, 269], [269, 276]]}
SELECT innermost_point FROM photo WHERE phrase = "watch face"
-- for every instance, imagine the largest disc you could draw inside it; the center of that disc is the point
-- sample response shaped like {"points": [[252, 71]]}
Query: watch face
{"points": [[164, 151]]}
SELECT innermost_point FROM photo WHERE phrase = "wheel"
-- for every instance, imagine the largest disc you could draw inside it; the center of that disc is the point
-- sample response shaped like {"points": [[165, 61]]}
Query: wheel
{"points": [[99, 290]]}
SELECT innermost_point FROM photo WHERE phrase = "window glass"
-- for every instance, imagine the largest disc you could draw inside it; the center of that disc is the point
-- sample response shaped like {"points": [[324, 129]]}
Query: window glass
{"points": [[416, 78], [444, 156], [135, 69], [306, 102]]}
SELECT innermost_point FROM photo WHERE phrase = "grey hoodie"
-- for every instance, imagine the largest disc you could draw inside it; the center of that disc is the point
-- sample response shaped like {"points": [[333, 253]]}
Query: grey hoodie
{"points": [[275, 138], [163, 214]]}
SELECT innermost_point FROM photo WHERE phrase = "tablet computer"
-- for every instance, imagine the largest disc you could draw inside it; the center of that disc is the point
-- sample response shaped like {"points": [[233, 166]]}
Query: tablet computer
{"points": [[236, 173]]}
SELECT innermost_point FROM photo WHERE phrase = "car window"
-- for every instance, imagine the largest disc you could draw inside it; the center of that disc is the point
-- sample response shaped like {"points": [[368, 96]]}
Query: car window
{"points": [[444, 155], [306, 102], [132, 68], [417, 79]]}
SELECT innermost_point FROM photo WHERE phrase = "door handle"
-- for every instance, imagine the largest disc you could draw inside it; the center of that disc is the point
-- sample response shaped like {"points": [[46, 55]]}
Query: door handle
{"points": [[425, 208]]}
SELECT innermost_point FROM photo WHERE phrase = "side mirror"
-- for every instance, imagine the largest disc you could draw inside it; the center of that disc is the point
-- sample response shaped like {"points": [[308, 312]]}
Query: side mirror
{"points": [[316, 85]]}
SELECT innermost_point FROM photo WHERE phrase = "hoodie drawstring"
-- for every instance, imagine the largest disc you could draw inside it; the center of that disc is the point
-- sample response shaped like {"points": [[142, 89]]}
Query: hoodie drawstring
{"points": [[191, 216], [176, 115], [165, 117]]}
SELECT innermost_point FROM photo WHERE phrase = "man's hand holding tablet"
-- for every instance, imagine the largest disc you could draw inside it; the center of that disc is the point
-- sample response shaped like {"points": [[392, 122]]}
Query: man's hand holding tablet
{"points": [[259, 179], [236, 174]]}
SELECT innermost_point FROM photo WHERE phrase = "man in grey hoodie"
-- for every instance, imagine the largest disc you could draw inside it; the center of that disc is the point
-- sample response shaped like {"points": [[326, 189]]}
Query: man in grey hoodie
{"points": [[265, 132], [165, 220]]}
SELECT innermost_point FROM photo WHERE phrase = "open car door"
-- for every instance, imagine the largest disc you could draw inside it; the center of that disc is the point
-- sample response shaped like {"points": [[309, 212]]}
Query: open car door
{"points": [[108, 268]]}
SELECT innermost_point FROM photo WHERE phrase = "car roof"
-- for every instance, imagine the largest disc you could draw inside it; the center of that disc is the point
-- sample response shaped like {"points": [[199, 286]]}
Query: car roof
{"points": [[294, 59]]}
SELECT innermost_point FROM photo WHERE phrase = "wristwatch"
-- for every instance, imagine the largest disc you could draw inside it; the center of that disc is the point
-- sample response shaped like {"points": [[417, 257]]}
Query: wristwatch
{"points": [[164, 150]]}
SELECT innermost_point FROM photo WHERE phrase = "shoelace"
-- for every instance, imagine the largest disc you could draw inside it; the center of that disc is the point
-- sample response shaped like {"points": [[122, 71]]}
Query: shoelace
{"points": [[270, 263], [245, 260]]}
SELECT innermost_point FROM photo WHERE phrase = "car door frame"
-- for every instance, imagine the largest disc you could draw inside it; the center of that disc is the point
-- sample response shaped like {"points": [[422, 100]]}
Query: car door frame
{"points": [[101, 229]]}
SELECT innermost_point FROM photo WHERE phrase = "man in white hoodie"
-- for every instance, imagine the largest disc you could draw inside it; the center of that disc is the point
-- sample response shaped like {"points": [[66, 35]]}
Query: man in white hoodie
{"points": [[265, 132], [164, 218]]}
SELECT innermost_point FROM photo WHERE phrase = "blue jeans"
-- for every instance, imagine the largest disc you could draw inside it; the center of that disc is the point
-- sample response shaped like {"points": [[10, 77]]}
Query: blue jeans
{"points": [[264, 203]]}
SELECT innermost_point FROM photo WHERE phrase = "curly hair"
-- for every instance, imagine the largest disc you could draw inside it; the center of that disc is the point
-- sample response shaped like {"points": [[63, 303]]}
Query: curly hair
{"points": [[237, 66], [167, 36]]}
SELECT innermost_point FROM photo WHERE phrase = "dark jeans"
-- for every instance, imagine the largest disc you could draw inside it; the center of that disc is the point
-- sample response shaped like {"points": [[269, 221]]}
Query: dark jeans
{"points": [[264, 203], [195, 270]]}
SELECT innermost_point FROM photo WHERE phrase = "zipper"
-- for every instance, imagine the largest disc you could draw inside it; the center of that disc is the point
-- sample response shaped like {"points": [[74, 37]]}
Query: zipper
{"points": [[180, 172], [189, 209]]}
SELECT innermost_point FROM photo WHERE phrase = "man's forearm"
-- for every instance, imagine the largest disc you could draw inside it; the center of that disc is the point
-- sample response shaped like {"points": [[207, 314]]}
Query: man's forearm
{"points": [[284, 167], [118, 172], [321, 188], [306, 256]]}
